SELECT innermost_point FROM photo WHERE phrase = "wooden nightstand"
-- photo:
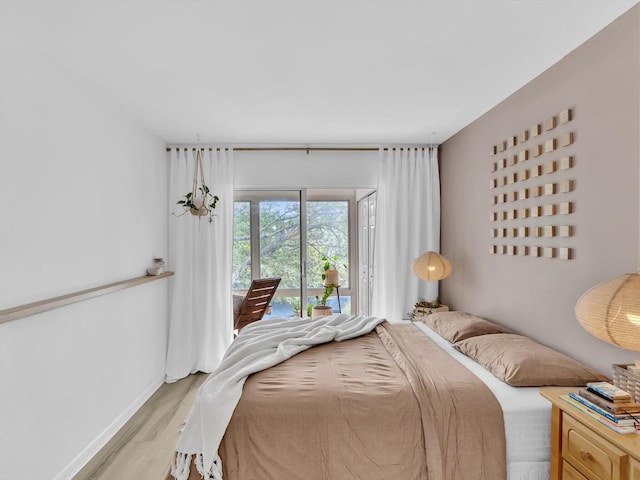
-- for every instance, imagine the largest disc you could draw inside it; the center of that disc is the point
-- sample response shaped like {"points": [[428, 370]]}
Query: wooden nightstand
{"points": [[584, 449], [420, 315]]}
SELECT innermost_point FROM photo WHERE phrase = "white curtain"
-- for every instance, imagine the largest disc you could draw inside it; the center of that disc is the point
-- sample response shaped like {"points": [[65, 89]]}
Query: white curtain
{"points": [[200, 254], [407, 225]]}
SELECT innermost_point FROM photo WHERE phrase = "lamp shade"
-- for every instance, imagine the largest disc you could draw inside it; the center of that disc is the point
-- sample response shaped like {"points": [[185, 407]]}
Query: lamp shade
{"points": [[431, 266], [611, 311]]}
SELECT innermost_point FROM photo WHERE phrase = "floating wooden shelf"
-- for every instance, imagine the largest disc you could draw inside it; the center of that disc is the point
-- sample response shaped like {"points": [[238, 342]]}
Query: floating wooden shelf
{"points": [[49, 304]]}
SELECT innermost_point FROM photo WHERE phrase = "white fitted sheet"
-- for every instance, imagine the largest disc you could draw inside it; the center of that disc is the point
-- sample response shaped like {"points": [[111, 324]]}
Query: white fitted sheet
{"points": [[527, 418]]}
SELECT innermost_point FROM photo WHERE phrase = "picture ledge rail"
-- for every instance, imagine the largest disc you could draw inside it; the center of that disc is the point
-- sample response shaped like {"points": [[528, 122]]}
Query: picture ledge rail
{"points": [[34, 308]]}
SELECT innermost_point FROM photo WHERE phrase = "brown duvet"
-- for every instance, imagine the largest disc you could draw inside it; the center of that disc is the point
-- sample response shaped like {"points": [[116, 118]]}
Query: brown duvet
{"points": [[388, 405]]}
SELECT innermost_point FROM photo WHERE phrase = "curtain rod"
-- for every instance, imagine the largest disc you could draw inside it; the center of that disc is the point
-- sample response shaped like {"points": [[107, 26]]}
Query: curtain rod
{"points": [[302, 149]]}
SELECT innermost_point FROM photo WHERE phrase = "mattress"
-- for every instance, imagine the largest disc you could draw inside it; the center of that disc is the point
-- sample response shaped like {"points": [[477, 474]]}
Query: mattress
{"points": [[527, 418]]}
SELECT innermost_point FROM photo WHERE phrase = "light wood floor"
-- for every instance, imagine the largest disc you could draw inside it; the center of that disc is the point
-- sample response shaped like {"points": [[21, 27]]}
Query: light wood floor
{"points": [[143, 448]]}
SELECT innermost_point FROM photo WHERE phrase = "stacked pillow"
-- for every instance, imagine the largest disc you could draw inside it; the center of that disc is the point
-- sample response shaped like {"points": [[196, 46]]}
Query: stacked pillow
{"points": [[514, 359]]}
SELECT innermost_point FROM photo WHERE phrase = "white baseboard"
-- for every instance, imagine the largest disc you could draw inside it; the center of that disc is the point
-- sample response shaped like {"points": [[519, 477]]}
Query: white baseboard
{"points": [[101, 440]]}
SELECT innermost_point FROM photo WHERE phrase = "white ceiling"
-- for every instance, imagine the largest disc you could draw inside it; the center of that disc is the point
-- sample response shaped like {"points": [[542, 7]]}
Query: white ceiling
{"points": [[306, 72]]}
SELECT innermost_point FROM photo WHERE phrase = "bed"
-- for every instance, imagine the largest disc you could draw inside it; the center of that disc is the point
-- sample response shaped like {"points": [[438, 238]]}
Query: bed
{"points": [[399, 402]]}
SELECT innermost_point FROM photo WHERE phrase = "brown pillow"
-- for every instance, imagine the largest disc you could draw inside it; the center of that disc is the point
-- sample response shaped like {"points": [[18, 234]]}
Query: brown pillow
{"points": [[456, 326], [522, 362]]}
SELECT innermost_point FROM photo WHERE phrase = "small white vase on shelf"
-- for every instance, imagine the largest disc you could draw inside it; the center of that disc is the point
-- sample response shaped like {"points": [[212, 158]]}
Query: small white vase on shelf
{"points": [[157, 268]]}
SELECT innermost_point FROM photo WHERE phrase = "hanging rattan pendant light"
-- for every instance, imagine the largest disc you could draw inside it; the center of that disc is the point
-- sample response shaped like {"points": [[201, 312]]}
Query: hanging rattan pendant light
{"points": [[431, 266], [611, 311]]}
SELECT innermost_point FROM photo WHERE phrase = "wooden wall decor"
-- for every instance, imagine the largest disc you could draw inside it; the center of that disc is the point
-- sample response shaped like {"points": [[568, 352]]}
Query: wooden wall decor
{"points": [[536, 171], [550, 123], [566, 163], [550, 167], [566, 139], [523, 155], [566, 186], [565, 230], [533, 202], [549, 210], [535, 130], [566, 208], [550, 145], [536, 151], [565, 116], [550, 189], [523, 136]]}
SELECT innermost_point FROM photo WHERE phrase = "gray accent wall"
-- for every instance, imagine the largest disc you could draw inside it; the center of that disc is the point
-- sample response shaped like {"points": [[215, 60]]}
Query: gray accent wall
{"points": [[600, 82]]}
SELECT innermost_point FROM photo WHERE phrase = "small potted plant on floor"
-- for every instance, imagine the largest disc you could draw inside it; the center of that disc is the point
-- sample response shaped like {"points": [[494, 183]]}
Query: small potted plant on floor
{"points": [[321, 309], [295, 304]]}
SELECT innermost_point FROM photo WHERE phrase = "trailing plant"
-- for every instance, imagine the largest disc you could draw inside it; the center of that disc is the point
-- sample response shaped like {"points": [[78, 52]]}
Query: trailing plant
{"points": [[200, 205], [199, 201], [330, 263], [423, 305], [328, 290]]}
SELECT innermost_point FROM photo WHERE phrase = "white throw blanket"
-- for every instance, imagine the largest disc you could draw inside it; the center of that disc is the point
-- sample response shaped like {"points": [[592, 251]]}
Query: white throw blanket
{"points": [[260, 345]]}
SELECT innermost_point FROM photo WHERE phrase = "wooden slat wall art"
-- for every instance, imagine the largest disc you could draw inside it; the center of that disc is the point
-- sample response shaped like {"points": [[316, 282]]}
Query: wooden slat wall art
{"points": [[533, 204]]}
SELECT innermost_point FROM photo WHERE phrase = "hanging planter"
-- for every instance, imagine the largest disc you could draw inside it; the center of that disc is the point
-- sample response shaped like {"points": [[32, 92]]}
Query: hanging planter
{"points": [[199, 202]]}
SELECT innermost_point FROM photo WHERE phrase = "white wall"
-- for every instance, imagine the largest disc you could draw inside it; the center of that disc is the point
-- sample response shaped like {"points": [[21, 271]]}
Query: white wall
{"points": [[600, 82], [83, 202]]}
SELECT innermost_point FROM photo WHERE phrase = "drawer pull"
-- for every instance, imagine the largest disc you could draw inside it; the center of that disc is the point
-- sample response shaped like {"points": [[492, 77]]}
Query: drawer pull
{"points": [[585, 455]]}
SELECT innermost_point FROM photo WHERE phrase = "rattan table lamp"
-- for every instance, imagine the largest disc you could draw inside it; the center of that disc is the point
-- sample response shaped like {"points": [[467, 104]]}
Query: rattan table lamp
{"points": [[611, 311]]}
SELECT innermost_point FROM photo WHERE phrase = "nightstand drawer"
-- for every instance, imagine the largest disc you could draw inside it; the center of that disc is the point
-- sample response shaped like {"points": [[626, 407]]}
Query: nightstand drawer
{"points": [[594, 457], [570, 473], [634, 470]]}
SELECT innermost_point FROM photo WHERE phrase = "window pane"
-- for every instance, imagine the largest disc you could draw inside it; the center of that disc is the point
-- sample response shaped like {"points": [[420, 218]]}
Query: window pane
{"points": [[284, 307], [327, 235], [280, 241], [241, 245]]}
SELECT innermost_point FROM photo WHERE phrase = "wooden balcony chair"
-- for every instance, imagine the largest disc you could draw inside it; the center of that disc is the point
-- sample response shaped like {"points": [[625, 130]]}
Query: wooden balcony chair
{"points": [[255, 302]]}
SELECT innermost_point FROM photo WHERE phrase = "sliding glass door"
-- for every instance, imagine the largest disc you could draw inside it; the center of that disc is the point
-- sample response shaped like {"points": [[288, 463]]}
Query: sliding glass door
{"points": [[285, 234]]}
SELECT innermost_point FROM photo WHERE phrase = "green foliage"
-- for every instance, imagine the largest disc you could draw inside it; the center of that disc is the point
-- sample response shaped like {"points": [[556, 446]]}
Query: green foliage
{"points": [[328, 290], [422, 303], [327, 231], [209, 202], [330, 262], [295, 303]]}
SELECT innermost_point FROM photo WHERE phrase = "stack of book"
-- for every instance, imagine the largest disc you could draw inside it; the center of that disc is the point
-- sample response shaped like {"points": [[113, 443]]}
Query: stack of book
{"points": [[608, 404]]}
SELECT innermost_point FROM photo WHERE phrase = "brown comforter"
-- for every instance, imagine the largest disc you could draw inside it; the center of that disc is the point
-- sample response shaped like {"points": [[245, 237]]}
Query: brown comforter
{"points": [[388, 405]]}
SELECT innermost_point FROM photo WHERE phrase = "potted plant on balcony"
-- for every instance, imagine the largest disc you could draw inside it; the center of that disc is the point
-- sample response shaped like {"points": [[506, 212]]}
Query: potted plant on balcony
{"points": [[331, 275], [321, 309]]}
